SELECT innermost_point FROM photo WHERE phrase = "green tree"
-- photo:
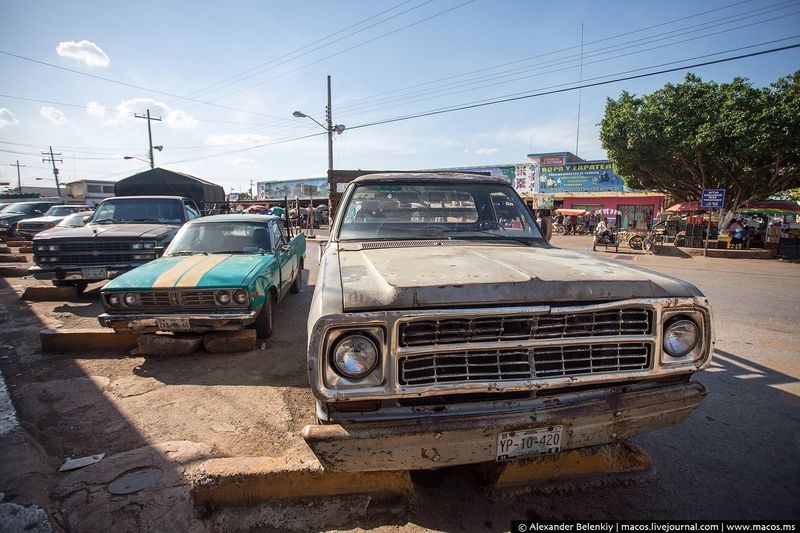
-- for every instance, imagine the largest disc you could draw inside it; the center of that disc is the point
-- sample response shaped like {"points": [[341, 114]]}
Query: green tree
{"points": [[699, 135]]}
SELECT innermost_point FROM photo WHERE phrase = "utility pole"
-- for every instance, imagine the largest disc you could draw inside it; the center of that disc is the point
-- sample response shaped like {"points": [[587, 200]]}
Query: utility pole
{"points": [[329, 116], [52, 159], [149, 135], [19, 179]]}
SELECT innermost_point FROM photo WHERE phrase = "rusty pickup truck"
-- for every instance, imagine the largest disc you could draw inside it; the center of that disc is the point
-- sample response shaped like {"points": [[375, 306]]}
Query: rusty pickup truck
{"points": [[445, 330]]}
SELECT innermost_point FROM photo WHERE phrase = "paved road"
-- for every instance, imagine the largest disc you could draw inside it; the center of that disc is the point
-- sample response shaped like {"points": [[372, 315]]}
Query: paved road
{"points": [[736, 457]]}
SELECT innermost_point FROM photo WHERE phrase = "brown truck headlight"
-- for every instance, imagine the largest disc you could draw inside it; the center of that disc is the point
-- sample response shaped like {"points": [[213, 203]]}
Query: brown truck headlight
{"points": [[354, 356]]}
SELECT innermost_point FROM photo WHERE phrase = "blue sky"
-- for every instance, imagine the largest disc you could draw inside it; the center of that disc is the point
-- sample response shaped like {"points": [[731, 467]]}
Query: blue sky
{"points": [[225, 78]]}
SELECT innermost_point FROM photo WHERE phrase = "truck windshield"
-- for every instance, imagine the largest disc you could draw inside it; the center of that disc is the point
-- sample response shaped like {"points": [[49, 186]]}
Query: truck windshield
{"points": [[244, 237], [135, 210], [435, 211]]}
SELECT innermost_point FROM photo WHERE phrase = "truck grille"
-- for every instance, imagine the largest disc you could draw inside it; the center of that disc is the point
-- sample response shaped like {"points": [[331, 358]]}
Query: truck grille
{"points": [[94, 252], [611, 322], [522, 364]]}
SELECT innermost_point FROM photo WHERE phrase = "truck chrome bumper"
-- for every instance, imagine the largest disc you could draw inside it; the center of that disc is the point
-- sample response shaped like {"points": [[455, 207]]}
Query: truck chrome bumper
{"points": [[429, 443], [144, 323]]}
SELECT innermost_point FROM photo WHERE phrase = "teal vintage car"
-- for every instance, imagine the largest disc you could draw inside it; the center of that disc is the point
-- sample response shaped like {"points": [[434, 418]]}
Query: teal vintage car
{"points": [[219, 273]]}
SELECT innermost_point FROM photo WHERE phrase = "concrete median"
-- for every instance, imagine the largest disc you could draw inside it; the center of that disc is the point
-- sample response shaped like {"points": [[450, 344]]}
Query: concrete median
{"points": [[82, 340]]}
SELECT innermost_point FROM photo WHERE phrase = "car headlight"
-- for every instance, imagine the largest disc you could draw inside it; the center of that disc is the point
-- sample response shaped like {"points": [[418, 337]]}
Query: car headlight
{"points": [[680, 337], [131, 299], [240, 297], [113, 300], [355, 356], [222, 297]]}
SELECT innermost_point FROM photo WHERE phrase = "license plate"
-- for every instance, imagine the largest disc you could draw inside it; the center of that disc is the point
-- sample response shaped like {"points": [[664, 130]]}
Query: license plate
{"points": [[173, 324], [528, 443], [94, 273]]}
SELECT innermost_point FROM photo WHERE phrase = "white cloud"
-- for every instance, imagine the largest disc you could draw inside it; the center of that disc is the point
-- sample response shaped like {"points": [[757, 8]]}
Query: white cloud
{"points": [[481, 151], [96, 109], [56, 116], [173, 118], [237, 138], [7, 118], [180, 120], [244, 162], [85, 52]]}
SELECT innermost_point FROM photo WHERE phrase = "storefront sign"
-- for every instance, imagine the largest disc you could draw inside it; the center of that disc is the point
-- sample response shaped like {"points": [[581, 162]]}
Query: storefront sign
{"points": [[588, 176]]}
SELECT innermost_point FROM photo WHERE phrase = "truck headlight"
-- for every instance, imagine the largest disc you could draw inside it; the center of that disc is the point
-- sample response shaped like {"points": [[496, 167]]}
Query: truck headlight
{"points": [[354, 356], [223, 297], [113, 300], [680, 337], [143, 245], [131, 299]]}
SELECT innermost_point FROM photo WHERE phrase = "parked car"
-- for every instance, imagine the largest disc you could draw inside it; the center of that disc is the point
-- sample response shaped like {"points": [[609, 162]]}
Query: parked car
{"points": [[75, 220], [11, 214], [29, 227], [445, 330], [123, 233], [221, 272]]}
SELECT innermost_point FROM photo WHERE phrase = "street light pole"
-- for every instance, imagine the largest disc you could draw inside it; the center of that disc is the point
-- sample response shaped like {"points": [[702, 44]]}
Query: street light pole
{"points": [[330, 128]]}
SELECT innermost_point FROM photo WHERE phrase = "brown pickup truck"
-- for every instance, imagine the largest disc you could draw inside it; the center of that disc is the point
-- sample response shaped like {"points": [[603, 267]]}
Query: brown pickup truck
{"points": [[445, 330]]}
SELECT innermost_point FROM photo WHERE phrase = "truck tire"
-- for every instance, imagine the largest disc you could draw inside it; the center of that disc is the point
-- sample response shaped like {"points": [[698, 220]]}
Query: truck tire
{"points": [[263, 324]]}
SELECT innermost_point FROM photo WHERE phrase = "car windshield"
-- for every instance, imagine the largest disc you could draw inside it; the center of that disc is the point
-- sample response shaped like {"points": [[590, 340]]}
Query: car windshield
{"points": [[220, 237], [155, 210], [61, 210], [74, 220], [21, 209], [436, 210]]}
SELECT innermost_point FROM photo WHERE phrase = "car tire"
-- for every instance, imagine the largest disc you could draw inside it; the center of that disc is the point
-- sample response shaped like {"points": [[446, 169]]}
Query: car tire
{"points": [[263, 324], [298, 281]]}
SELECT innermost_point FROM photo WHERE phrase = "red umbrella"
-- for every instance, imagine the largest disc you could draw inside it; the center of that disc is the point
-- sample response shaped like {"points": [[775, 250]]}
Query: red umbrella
{"points": [[685, 207]]}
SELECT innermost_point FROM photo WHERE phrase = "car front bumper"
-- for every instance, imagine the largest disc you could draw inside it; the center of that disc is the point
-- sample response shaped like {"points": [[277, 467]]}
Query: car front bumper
{"points": [[149, 323], [435, 442]]}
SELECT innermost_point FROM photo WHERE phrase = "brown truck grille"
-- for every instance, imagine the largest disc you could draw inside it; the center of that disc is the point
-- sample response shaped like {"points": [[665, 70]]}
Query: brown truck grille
{"points": [[612, 322], [522, 364]]}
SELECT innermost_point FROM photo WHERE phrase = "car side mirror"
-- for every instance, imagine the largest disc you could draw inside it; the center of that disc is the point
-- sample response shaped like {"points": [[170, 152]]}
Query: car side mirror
{"points": [[286, 248]]}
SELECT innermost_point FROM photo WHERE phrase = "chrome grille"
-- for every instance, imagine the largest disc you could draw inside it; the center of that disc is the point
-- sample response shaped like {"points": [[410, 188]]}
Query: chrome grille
{"points": [[196, 300], [611, 322], [521, 364], [95, 252]]}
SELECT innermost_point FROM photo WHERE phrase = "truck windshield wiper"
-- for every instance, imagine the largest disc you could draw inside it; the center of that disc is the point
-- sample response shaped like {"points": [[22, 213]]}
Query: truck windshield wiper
{"points": [[188, 252], [105, 221], [233, 252]]}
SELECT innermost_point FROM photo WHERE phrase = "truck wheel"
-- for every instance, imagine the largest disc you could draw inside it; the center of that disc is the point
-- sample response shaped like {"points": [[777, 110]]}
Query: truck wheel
{"points": [[298, 281], [263, 323], [80, 286]]}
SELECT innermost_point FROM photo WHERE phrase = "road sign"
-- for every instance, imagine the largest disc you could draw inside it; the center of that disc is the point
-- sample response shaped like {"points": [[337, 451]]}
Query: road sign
{"points": [[713, 198]]}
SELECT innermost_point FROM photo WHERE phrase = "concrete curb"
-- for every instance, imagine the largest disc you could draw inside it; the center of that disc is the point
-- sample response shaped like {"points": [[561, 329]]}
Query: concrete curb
{"points": [[249, 480], [82, 340], [598, 463], [49, 294], [13, 271]]}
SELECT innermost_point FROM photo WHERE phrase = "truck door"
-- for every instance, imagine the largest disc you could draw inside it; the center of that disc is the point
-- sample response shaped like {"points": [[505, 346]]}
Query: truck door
{"points": [[285, 258]]}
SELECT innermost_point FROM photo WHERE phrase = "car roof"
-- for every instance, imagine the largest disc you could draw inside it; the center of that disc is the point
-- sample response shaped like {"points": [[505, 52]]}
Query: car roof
{"points": [[429, 176]]}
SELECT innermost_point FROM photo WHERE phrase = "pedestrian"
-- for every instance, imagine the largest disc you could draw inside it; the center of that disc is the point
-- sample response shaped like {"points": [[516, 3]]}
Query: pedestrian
{"points": [[592, 221]]}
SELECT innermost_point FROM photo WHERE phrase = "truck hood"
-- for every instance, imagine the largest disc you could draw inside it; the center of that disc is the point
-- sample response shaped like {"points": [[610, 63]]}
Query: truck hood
{"points": [[456, 275], [122, 231]]}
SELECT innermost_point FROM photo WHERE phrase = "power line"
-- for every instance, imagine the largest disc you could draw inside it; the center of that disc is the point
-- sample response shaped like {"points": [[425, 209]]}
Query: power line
{"points": [[582, 86]]}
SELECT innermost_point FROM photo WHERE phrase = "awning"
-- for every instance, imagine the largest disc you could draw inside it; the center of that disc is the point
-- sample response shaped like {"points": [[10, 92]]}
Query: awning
{"points": [[686, 207], [571, 212]]}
